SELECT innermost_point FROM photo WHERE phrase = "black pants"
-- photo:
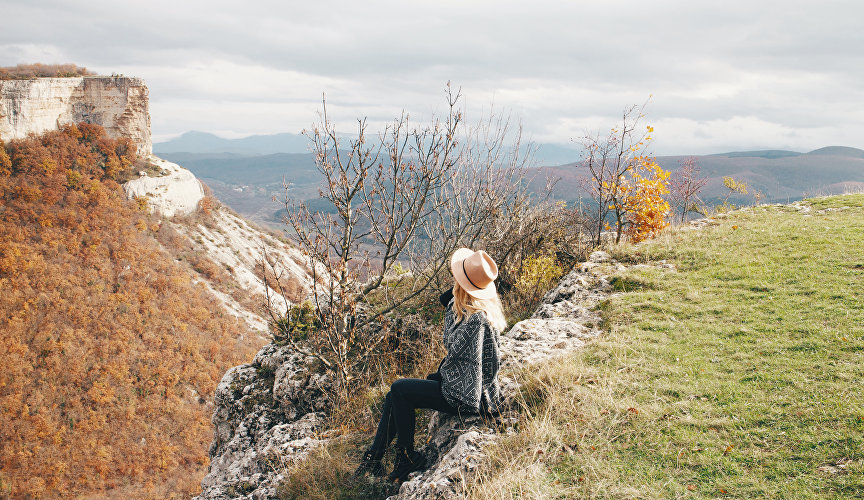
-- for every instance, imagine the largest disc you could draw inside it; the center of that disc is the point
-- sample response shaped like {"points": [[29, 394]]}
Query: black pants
{"points": [[397, 418]]}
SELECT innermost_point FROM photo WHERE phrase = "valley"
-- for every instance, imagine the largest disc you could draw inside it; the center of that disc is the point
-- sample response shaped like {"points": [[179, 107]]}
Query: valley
{"points": [[248, 181]]}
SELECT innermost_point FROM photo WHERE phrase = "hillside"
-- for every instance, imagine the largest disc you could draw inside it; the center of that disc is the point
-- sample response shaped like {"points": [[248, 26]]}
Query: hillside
{"points": [[781, 176], [112, 312], [735, 375]]}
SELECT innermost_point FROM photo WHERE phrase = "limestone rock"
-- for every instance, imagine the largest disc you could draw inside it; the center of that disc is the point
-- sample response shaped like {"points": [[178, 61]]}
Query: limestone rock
{"points": [[119, 104], [176, 193], [267, 415], [465, 452], [599, 256], [535, 340]]}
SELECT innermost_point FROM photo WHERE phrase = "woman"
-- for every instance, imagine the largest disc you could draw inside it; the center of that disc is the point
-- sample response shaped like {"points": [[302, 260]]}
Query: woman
{"points": [[467, 379]]}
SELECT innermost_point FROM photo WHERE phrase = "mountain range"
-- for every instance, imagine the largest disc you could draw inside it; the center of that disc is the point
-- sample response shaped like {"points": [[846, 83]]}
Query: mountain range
{"points": [[248, 173], [206, 143]]}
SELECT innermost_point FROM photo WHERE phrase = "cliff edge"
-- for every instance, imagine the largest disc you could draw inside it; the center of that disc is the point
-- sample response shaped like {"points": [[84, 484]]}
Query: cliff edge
{"points": [[117, 103]]}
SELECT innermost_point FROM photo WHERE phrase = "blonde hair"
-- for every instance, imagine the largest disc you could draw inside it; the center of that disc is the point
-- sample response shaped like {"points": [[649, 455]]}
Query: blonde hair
{"points": [[465, 305]]}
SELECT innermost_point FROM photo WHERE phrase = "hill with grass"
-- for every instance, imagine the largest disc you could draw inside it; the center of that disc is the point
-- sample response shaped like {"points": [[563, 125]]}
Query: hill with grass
{"points": [[737, 375]]}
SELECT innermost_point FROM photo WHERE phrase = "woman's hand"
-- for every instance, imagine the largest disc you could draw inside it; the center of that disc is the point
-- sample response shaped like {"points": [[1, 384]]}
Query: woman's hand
{"points": [[437, 374]]}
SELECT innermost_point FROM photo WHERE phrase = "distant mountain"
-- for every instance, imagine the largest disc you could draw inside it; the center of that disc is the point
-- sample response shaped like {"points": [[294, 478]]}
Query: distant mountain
{"points": [[838, 151], [554, 154], [198, 143], [768, 153], [248, 183], [204, 142], [250, 170]]}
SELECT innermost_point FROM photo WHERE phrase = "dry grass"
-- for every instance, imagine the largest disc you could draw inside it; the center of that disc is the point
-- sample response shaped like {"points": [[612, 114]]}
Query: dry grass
{"points": [[328, 474]]}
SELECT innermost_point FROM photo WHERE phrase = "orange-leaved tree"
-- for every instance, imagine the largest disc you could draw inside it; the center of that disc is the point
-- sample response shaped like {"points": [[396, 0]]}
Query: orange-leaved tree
{"points": [[637, 199], [646, 206], [611, 161]]}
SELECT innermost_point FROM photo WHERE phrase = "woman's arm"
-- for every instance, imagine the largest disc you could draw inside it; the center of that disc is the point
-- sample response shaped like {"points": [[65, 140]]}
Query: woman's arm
{"points": [[446, 297]]}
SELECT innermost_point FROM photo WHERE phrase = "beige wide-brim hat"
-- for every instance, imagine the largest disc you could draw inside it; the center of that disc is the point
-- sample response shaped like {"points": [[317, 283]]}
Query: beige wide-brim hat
{"points": [[475, 272]]}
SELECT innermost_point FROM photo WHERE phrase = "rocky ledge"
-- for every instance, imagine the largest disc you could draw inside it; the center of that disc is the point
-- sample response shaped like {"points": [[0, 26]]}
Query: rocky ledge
{"points": [[176, 192], [268, 413]]}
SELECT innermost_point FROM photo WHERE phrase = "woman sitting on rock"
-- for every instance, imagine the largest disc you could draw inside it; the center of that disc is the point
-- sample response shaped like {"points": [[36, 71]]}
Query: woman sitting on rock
{"points": [[467, 379]]}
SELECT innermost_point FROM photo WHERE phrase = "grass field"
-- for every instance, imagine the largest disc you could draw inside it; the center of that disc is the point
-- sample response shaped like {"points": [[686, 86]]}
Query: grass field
{"points": [[738, 375]]}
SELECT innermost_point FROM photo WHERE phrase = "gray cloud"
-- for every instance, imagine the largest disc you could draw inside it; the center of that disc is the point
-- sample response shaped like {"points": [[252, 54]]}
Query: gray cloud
{"points": [[720, 73]]}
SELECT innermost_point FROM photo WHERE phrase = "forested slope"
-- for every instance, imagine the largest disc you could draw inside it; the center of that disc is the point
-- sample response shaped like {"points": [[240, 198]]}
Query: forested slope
{"points": [[109, 350]]}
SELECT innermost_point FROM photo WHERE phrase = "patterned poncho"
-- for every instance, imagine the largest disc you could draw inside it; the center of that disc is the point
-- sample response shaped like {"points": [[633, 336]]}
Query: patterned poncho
{"points": [[469, 372]]}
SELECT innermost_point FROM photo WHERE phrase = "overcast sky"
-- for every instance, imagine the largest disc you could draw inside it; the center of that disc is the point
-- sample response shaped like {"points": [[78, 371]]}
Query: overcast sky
{"points": [[722, 75]]}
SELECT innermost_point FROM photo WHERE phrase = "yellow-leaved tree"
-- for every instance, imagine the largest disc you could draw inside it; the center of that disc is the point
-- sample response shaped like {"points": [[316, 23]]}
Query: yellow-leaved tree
{"points": [[645, 204], [637, 199], [625, 182]]}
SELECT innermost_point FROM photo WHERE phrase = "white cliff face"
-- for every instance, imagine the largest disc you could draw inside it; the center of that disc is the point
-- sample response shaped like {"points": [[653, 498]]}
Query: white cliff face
{"points": [[119, 104], [227, 239], [176, 193], [234, 244]]}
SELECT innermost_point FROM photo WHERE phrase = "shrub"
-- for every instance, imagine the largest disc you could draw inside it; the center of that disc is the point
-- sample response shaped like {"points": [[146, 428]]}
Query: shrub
{"points": [[38, 70]]}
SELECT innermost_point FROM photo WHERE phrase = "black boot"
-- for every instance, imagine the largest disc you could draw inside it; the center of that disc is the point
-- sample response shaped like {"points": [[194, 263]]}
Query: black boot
{"points": [[405, 463], [371, 464]]}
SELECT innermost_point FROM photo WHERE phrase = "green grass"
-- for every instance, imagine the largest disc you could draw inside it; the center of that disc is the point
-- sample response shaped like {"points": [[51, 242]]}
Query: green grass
{"points": [[738, 375]]}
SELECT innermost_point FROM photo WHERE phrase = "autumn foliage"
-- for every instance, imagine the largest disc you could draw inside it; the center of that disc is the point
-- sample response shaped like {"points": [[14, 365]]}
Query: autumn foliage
{"points": [[646, 205], [109, 352]]}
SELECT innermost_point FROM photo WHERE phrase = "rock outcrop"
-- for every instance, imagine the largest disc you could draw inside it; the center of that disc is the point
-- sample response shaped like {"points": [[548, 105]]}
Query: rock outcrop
{"points": [[176, 192], [227, 239], [269, 412], [117, 103]]}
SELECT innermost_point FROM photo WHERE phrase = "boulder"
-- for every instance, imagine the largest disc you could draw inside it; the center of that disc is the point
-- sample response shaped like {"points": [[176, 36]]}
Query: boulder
{"points": [[268, 412]]}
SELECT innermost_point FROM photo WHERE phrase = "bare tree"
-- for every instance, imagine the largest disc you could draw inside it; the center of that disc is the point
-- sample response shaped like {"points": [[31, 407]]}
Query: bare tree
{"points": [[608, 158], [685, 185], [402, 202]]}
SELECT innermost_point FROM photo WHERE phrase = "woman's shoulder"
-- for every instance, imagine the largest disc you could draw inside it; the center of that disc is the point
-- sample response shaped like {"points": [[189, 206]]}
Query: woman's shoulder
{"points": [[478, 318], [475, 321]]}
